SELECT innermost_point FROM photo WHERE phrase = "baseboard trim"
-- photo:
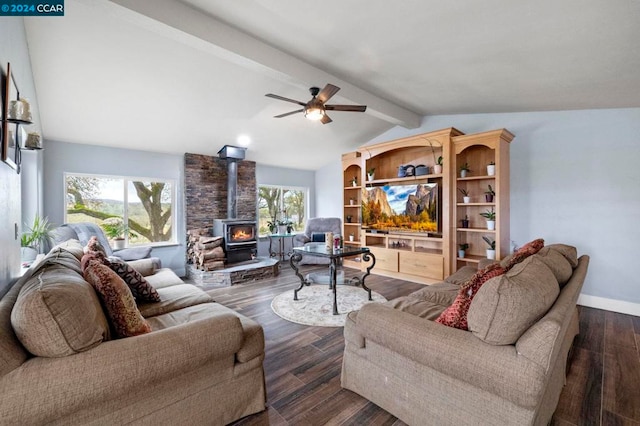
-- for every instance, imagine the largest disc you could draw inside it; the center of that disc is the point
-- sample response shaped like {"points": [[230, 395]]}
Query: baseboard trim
{"points": [[614, 305]]}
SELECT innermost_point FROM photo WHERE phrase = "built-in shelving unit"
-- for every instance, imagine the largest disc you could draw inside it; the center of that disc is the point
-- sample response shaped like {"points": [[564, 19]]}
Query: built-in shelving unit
{"points": [[428, 257], [478, 151]]}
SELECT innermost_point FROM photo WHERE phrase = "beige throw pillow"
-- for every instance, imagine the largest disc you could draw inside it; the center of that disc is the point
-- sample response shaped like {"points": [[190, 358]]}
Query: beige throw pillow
{"points": [[506, 306], [57, 313]]}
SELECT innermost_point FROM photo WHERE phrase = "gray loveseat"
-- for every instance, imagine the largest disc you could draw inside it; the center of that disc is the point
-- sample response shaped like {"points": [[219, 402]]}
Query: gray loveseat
{"points": [[59, 364], [509, 369]]}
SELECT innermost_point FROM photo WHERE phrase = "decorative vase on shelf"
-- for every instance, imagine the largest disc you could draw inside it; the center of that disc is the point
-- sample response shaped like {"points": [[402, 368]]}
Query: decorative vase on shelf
{"points": [[491, 225], [465, 223], [491, 169], [370, 177], [437, 169], [491, 254], [118, 243], [466, 200], [488, 198], [461, 254], [351, 238], [463, 173]]}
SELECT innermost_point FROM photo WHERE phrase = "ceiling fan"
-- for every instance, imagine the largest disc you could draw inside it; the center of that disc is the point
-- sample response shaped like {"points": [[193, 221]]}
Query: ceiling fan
{"points": [[316, 109]]}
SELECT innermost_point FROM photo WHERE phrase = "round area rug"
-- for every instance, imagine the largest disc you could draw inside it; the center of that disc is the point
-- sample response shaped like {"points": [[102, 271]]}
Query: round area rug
{"points": [[315, 304]]}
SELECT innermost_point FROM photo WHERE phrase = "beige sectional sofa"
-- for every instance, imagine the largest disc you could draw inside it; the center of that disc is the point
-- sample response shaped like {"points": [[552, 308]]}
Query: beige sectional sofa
{"points": [[508, 369], [201, 364]]}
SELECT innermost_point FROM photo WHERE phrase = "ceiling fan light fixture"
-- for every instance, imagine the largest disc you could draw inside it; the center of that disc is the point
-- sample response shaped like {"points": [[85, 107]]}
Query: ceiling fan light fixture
{"points": [[314, 113]]}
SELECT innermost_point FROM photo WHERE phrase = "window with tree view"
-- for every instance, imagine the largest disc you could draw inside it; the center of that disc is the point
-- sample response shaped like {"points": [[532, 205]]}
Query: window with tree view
{"points": [[279, 205], [138, 210]]}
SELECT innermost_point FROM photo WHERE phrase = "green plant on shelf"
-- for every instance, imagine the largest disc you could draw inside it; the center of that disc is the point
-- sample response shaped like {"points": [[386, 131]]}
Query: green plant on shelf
{"points": [[465, 167], [491, 243], [463, 246], [489, 215], [464, 192]]}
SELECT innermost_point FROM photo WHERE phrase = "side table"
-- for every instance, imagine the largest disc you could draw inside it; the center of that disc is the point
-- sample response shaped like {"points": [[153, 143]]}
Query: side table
{"points": [[281, 238]]}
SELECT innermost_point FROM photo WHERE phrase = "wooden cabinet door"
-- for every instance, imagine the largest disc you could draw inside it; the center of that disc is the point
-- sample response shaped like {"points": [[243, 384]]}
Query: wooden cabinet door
{"points": [[422, 264], [385, 259]]}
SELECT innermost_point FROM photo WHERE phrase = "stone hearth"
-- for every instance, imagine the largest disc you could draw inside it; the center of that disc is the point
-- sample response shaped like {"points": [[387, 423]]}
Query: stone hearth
{"points": [[238, 273]]}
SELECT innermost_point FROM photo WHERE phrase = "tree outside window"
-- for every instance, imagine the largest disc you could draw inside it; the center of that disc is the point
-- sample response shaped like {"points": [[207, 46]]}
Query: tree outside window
{"points": [[279, 204], [140, 210]]}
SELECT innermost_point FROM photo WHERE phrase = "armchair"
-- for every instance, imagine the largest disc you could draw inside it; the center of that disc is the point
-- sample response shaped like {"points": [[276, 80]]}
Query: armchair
{"points": [[317, 225], [83, 231]]}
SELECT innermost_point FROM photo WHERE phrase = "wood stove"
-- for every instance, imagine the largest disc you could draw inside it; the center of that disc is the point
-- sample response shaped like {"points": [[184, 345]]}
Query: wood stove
{"points": [[240, 239]]}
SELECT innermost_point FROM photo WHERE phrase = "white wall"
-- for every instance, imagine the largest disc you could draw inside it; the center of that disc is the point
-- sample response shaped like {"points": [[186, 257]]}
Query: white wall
{"points": [[14, 49], [575, 179]]}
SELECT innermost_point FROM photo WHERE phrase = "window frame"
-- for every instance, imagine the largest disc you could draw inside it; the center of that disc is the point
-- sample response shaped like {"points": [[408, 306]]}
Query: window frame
{"points": [[125, 181], [303, 189]]}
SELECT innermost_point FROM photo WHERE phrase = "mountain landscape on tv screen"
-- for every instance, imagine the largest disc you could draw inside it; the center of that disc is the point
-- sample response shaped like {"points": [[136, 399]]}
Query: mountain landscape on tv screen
{"points": [[401, 208]]}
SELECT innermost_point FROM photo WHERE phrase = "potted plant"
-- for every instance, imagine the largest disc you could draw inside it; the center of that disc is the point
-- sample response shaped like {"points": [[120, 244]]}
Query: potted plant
{"points": [[462, 249], [351, 236], [38, 234], [352, 201], [349, 217], [465, 195], [488, 195], [115, 229], [437, 169], [370, 173], [491, 168], [491, 251], [464, 169], [465, 221], [354, 181], [490, 215]]}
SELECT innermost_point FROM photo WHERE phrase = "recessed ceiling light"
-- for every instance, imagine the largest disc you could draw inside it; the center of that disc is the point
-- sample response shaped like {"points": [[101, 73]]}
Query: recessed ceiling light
{"points": [[244, 140]]}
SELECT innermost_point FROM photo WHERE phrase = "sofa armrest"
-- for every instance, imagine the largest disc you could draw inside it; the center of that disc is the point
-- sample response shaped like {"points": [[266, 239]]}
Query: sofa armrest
{"points": [[146, 266], [300, 240], [455, 353], [47, 388]]}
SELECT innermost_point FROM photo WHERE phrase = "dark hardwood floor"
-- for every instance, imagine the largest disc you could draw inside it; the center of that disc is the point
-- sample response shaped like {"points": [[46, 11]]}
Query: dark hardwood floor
{"points": [[302, 364]]}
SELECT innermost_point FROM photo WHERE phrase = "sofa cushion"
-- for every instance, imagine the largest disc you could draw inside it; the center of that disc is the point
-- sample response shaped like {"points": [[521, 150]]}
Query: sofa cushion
{"points": [[529, 249], [557, 263], [163, 277], [506, 306], [72, 246], [569, 252], [456, 314], [140, 288], [173, 298], [57, 313], [462, 275], [117, 299]]}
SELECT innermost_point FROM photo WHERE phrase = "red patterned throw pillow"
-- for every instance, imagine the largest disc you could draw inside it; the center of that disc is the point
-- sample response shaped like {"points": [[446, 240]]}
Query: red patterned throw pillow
{"points": [[529, 249], [456, 314], [94, 245], [117, 299]]}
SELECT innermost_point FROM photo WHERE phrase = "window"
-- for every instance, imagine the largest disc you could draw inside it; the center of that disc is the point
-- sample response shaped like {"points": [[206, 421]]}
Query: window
{"points": [[281, 204], [145, 205]]}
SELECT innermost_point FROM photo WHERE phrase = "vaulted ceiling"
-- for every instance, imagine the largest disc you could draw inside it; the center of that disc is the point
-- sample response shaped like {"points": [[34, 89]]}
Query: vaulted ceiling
{"points": [[190, 75]]}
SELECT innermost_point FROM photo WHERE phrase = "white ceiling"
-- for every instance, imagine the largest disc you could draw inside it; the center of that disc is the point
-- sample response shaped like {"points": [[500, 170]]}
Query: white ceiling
{"points": [[190, 76]]}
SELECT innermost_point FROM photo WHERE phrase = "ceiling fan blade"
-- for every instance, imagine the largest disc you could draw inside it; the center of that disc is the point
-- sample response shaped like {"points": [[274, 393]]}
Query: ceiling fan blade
{"points": [[326, 119], [328, 91], [288, 113], [355, 108], [282, 98]]}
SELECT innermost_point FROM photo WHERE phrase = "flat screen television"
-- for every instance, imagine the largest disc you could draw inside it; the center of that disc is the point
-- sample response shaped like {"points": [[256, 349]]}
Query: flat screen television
{"points": [[402, 208]]}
